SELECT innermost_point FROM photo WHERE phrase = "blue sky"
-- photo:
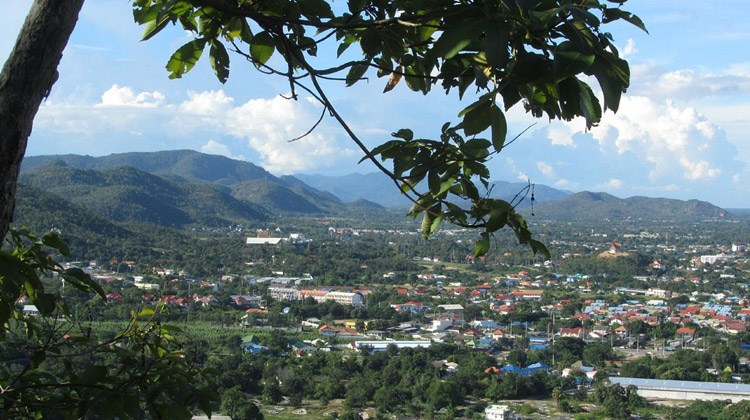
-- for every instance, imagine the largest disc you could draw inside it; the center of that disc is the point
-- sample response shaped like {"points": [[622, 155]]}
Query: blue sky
{"points": [[682, 130]]}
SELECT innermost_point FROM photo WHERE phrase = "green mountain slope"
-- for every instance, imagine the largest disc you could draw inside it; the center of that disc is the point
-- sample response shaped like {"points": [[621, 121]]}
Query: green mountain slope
{"points": [[187, 164], [590, 206], [244, 180], [126, 194]]}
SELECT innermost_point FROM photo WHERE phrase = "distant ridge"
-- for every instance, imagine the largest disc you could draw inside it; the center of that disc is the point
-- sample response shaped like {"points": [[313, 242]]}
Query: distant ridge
{"points": [[381, 189], [197, 188], [242, 180], [127, 194], [188, 164], [599, 206]]}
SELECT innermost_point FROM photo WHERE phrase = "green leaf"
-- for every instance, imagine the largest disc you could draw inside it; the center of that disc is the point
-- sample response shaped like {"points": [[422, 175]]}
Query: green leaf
{"points": [[219, 60], [83, 281], [54, 240], [355, 73], [454, 39], [570, 59], [612, 85], [153, 27], [537, 246], [483, 245], [614, 14], [446, 185], [427, 220], [404, 133], [356, 6], [146, 313], [589, 105], [316, 8], [262, 48], [94, 374], [479, 118], [370, 43], [496, 44], [499, 128], [185, 58], [45, 302]]}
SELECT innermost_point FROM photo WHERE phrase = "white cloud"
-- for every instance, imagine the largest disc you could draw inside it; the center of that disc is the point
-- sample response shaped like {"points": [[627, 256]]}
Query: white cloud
{"points": [[515, 171], [213, 147], [125, 96], [690, 84], [545, 168], [208, 103], [676, 141], [560, 135], [629, 50], [567, 184], [268, 125], [611, 184], [264, 125]]}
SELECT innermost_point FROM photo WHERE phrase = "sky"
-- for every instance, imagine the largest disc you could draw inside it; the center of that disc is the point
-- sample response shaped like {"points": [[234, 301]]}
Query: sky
{"points": [[682, 130]]}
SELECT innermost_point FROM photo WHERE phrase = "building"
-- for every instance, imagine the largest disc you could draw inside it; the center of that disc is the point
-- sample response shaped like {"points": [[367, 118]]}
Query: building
{"points": [[499, 412], [284, 293], [263, 241], [685, 390], [383, 345], [343, 298]]}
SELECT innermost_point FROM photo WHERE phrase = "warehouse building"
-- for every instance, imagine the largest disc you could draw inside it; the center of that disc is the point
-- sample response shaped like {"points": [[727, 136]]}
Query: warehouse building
{"points": [[685, 390]]}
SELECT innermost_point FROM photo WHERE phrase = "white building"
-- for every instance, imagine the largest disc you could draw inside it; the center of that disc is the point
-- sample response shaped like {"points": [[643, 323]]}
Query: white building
{"points": [[711, 259], [499, 412], [283, 293], [345, 298]]}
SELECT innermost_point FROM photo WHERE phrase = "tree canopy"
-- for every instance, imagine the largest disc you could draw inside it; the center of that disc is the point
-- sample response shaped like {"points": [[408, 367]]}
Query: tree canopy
{"points": [[501, 52]]}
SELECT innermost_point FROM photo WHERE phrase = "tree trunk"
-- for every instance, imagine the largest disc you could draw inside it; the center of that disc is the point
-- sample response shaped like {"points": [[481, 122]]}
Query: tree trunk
{"points": [[26, 80]]}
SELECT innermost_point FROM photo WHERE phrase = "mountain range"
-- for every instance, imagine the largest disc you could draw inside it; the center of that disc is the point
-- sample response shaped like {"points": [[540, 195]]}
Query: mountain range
{"points": [[185, 188]]}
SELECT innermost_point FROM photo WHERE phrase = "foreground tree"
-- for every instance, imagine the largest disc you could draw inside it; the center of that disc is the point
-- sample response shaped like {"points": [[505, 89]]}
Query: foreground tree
{"points": [[52, 366], [533, 52], [26, 79]]}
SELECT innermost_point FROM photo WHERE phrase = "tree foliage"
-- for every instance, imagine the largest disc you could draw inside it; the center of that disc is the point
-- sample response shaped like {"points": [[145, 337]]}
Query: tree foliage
{"points": [[498, 53], [53, 366]]}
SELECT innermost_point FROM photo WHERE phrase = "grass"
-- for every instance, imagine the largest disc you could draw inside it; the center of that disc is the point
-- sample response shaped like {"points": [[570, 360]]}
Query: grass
{"points": [[313, 410]]}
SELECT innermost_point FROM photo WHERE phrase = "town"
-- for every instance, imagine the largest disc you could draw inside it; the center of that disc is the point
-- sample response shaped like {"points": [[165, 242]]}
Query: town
{"points": [[500, 336]]}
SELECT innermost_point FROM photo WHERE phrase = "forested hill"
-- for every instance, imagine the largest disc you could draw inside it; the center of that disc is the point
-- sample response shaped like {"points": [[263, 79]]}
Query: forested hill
{"points": [[242, 180], [590, 206], [187, 164], [126, 194]]}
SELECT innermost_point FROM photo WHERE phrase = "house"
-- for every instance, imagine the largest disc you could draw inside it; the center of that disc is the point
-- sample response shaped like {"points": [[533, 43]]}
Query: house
{"points": [[498, 412], [527, 371], [31, 310], [685, 331], [735, 327], [327, 331], [578, 332], [451, 308], [410, 306]]}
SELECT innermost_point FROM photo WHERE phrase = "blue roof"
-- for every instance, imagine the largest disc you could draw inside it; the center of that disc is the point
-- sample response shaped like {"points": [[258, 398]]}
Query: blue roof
{"points": [[685, 385], [537, 365], [537, 347]]}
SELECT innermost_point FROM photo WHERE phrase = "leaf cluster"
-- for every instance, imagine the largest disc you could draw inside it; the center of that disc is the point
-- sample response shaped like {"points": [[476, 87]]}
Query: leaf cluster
{"points": [[534, 52]]}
